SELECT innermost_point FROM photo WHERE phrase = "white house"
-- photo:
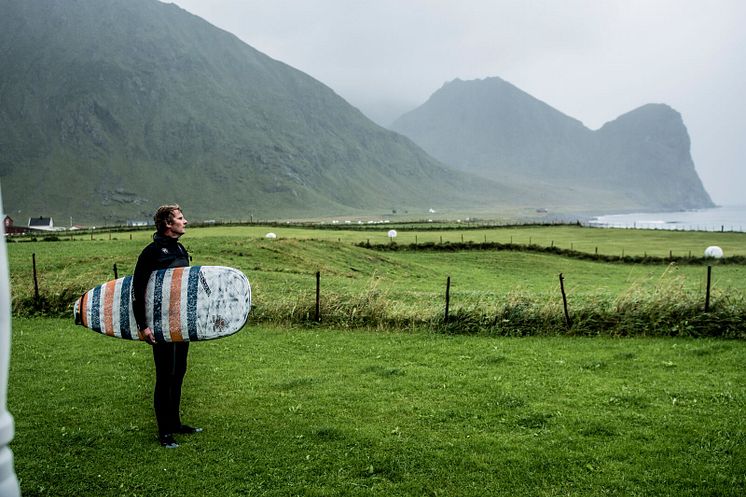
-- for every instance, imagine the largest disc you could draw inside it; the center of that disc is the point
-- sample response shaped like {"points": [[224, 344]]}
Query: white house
{"points": [[41, 223]]}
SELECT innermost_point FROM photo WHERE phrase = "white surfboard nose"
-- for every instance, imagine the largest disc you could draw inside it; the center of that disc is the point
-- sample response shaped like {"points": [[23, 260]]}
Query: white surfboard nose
{"points": [[230, 303]]}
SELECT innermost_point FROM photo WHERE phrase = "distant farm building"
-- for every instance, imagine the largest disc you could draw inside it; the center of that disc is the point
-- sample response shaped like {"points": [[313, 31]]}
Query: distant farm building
{"points": [[137, 222], [41, 223], [11, 229]]}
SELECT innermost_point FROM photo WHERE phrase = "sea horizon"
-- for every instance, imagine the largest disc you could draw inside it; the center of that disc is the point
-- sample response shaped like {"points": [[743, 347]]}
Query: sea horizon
{"points": [[720, 218]]}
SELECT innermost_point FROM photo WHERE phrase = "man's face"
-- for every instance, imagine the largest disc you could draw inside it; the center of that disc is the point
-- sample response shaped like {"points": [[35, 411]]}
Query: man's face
{"points": [[177, 226]]}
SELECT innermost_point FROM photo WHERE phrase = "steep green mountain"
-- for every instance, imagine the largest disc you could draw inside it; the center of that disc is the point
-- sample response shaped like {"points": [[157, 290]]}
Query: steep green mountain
{"points": [[491, 128], [109, 108]]}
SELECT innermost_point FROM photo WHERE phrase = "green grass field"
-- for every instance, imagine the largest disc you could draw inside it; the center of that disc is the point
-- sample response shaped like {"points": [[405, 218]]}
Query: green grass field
{"points": [[327, 412], [504, 292], [383, 397], [607, 241]]}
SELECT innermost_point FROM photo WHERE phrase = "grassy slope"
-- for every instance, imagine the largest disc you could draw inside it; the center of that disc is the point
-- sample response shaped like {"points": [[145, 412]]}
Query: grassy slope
{"points": [[290, 412], [498, 292], [299, 253]]}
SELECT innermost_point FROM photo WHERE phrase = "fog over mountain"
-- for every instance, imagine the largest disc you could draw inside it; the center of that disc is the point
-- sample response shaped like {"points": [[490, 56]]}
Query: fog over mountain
{"points": [[495, 130], [109, 108], [591, 60]]}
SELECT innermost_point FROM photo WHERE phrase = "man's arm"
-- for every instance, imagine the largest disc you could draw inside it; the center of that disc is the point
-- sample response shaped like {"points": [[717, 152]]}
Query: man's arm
{"points": [[143, 269]]}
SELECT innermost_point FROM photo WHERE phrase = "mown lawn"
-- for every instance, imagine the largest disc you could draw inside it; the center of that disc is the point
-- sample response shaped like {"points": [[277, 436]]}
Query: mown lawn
{"points": [[321, 411]]}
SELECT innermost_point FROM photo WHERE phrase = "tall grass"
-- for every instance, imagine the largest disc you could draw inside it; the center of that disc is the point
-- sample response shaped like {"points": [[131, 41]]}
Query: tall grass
{"points": [[496, 292], [669, 309]]}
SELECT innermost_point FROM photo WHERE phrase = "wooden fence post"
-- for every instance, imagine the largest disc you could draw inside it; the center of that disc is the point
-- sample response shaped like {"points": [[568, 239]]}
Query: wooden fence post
{"points": [[116, 274], [564, 301], [448, 298], [36, 281], [318, 296], [707, 295]]}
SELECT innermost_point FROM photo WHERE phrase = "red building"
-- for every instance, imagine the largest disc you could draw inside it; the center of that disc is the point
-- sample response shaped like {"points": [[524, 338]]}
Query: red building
{"points": [[10, 229]]}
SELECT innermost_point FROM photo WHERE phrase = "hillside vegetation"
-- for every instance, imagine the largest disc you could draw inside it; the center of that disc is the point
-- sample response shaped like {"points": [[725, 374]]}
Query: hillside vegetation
{"points": [[511, 291], [383, 396], [109, 108]]}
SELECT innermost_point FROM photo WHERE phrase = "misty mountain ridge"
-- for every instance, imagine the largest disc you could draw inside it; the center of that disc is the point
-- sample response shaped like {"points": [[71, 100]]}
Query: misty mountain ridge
{"points": [[109, 108], [493, 129]]}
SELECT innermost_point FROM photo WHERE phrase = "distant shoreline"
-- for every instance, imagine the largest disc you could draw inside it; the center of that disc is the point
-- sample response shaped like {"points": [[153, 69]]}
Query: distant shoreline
{"points": [[721, 218]]}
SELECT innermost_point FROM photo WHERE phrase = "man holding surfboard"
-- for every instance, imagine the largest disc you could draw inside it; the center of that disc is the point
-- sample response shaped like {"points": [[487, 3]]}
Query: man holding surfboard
{"points": [[170, 357]]}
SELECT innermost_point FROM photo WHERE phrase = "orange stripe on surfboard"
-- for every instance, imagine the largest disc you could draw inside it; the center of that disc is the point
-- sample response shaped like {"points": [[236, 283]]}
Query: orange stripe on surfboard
{"points": [[109, 308], [174, 311], [84, 309]]}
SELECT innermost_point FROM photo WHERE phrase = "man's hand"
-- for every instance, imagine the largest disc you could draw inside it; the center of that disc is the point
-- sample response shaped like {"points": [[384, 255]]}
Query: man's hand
{"points": [[148, 336]]}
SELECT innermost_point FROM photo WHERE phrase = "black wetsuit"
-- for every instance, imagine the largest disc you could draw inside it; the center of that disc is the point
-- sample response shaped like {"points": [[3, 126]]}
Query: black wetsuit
{"points": [[170, 357]]}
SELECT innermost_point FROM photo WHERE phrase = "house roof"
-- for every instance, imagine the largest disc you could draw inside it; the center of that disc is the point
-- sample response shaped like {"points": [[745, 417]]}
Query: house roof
{"points": [[40, 221]]}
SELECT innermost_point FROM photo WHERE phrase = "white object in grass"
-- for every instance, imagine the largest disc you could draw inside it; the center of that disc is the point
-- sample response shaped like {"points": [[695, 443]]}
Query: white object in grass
{"points": [[714, 252]]}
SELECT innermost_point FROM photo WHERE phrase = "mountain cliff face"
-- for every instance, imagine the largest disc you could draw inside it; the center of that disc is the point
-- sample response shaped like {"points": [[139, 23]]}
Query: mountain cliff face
{"points": [[109, 108], [647, 153], [491, 128]]}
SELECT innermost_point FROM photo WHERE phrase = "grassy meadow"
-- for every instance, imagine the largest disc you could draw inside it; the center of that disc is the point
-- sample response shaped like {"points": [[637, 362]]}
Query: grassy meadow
{"points": [[382, 398], [330, 412], [509, 292]]}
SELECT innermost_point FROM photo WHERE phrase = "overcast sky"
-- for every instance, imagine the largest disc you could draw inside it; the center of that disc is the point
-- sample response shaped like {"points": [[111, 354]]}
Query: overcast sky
{"points": [[591, 59]]}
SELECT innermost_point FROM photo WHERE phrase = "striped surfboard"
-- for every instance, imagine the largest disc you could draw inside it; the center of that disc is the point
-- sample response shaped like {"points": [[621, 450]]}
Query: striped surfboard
{"points": [[184, 304]]}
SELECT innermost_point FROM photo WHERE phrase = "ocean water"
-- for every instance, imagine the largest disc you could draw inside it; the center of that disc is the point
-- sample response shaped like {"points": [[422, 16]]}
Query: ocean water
{"points": [[724, 218]]}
